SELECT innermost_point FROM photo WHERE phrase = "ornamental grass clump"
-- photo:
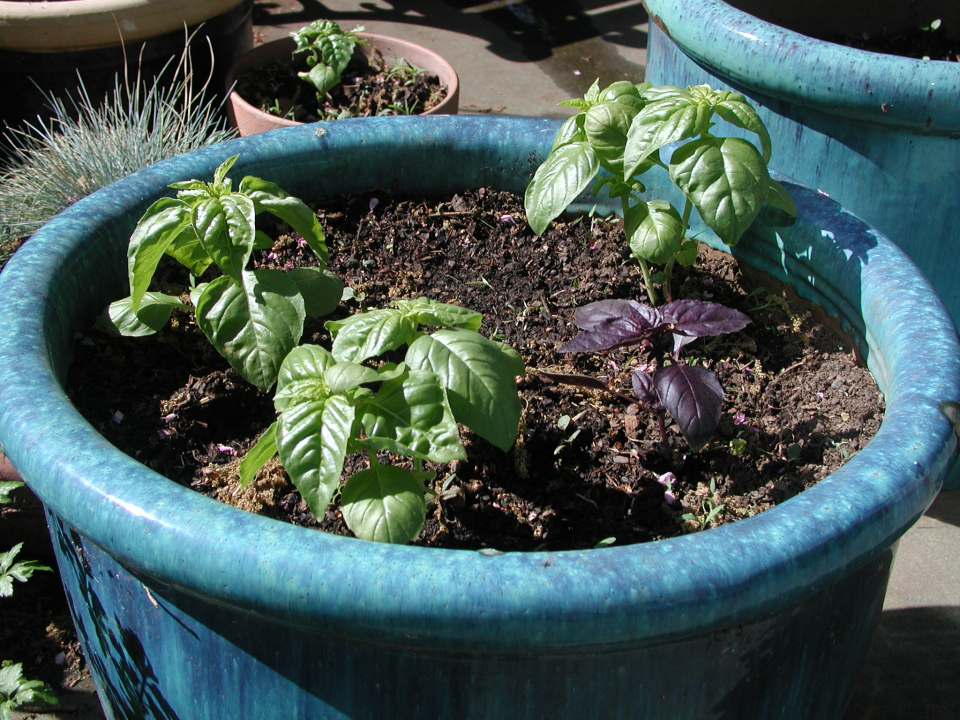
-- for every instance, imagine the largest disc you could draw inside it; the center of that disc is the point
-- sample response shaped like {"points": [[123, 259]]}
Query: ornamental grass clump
{"points": [[85, 146]]}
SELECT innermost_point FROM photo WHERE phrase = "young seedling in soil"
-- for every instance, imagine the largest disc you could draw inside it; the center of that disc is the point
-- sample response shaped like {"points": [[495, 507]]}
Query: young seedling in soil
{"points": [[252, 317], [621, 130], [311, 85], [327, 50], [328, 409], [692, 395]]}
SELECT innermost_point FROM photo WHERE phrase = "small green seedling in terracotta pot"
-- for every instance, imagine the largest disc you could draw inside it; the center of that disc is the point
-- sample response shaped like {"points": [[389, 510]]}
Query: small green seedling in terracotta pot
{"points": [[331, 403], [252, 317], [621, 130], [327, 50]]}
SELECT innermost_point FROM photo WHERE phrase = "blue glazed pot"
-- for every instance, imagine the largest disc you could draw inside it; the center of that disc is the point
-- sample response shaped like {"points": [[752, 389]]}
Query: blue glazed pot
{"points": [[194, 610], [878, 133]]}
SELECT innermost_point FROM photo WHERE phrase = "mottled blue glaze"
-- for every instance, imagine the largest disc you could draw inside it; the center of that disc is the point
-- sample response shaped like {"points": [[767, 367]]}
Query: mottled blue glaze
{"points": [[195, 610], [878, 133]]}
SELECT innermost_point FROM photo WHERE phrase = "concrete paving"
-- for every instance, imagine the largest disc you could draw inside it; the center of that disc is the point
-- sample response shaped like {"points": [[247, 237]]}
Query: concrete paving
{"points": [[522, 58]]}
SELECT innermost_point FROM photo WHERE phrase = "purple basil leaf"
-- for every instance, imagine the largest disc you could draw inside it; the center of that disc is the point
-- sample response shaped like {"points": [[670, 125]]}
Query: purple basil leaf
{"points": [[679, 341], [612, 323], [694, 398], [644, 388], [700, 319]]}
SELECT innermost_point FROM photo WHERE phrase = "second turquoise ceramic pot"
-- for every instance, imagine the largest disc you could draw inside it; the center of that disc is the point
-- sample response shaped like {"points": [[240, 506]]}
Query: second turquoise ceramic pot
{"points": [[878, 133], [194, 610]]}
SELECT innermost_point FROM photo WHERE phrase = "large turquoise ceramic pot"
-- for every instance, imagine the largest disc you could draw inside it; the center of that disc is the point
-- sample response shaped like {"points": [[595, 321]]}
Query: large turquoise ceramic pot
{"points": [[194, 610], [878, 133]]}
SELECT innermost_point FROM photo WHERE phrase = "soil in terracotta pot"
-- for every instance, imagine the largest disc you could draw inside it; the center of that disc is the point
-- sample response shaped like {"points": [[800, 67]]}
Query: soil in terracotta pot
{"points": [[370, 86], [585, 469]]}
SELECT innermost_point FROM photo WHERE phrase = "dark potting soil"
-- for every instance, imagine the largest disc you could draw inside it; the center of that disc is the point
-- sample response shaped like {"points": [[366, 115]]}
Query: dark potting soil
{"points": [[370, 87], [586, 466], [918, 43]]}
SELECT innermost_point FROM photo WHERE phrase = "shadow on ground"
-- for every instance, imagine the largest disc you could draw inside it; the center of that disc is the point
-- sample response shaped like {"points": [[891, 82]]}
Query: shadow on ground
{"points": [[531, 29], [913, 670]]}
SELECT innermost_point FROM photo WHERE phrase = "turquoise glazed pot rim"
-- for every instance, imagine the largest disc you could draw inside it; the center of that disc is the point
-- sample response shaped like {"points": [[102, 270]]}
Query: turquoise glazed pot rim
{"points": [[915, 95], [411, 595]]}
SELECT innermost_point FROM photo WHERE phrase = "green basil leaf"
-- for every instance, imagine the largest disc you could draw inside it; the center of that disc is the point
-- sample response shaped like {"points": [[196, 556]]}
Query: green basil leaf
{"points": [[687, 255], [778, 197], [160, 225], [189, 252], [321, 290], [570, 131], [303, 362], [344, 376], [267, 196], [312, 440], [323, 77], [384, 504], [411, 416], [225, 226], [480, 378], [153, 314], [654, 230], [558, 181], [660, 123], [263, 449], [253, 325], [606, 127], [425, 311], [726, 179], [734, 108], [371, 333]]}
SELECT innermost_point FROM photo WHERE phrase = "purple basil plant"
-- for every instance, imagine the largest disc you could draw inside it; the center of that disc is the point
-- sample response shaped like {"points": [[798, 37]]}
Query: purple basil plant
{"points": [[692, 395]]}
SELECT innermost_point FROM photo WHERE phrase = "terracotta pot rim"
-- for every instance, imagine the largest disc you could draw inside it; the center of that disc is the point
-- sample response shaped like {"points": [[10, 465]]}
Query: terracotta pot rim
{"points": [[239, 107]]}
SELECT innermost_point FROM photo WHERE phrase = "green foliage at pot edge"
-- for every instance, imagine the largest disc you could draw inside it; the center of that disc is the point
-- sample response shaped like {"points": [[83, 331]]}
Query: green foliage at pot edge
{"points": [[622, 130], [327, 409], [253, 317]]}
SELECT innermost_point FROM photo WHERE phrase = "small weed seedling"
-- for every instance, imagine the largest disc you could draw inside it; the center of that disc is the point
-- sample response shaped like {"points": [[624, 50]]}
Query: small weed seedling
{"points": [[330, 404], [622, 130], [253, 317], [15, 690], [692, 395]]}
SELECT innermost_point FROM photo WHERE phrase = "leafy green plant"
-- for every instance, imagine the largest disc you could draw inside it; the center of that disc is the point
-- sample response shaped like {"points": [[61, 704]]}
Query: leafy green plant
{"points": [[16, 691], [622, 130], [327, 50], [253, 317], [19, 571], [331, 403], [85, 146]]}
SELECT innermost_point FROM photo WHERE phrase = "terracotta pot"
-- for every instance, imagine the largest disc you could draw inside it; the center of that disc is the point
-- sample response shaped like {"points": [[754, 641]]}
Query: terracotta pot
{"points": [[250, 120], [45, 45], [195, 610]]}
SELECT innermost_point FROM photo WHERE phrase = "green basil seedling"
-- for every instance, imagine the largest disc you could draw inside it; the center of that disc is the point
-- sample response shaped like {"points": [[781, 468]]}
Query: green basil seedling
{"points": [[330, 404], [253, 317], [328, 50], [622, 130]]}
